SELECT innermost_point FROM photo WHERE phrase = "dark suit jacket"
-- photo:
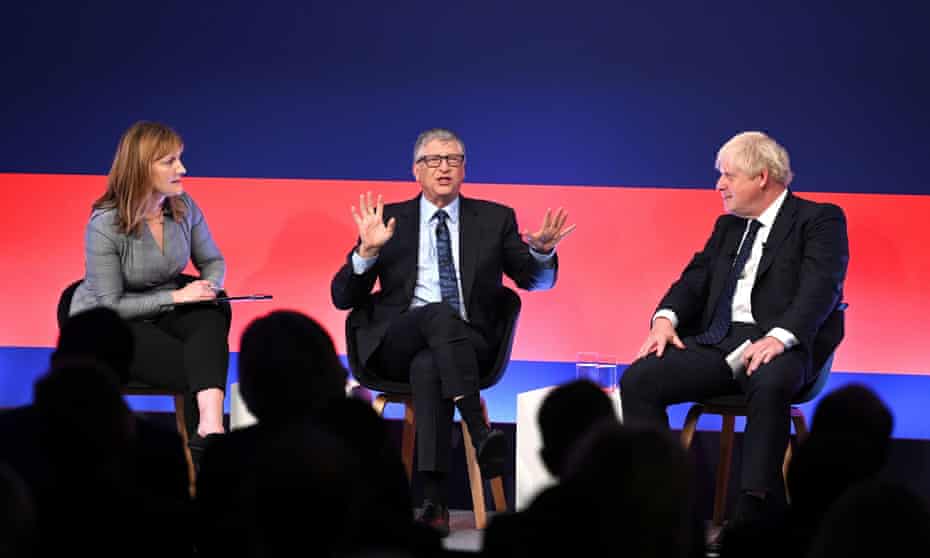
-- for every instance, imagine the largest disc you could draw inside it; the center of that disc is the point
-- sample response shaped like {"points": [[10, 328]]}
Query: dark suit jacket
{"points": [[490, 246], [799, 283]]}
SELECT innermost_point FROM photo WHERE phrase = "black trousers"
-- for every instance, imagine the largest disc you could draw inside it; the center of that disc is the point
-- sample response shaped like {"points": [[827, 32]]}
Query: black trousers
{"points": [[185, 349], [650, 384], [441, 356]]}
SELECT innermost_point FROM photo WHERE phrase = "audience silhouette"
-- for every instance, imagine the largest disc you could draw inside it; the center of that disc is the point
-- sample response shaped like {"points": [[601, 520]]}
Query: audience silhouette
{"points": [[311, 449], [848, 443], [80, 473]]}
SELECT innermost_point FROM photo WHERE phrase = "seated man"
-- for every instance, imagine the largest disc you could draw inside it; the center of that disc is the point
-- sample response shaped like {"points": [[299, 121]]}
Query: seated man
{"points": [[439, 259], [771, 274]]}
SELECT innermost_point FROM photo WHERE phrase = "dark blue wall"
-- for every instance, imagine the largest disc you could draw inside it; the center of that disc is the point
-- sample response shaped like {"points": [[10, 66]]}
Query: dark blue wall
{"points": [[606, 93]]}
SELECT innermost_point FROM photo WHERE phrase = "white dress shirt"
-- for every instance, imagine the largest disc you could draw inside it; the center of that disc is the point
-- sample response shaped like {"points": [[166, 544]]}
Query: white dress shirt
{"points": [[427, 288], [742, 297]]}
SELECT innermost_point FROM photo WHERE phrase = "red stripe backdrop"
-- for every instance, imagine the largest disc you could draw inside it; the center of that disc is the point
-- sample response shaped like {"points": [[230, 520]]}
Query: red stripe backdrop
{"points": [[287, 238]]}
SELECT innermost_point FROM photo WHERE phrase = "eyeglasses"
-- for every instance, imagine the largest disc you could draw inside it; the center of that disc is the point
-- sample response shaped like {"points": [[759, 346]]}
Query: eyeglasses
{"points": [[433, 161]]}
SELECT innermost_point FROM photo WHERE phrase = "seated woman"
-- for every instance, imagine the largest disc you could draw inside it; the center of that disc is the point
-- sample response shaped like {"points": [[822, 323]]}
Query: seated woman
{"points": [[140, 236]]}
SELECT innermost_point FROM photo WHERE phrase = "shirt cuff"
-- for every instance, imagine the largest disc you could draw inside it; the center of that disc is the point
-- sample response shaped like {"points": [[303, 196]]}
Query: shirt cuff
{"points": [[786, 337], [360, 265], [667, 313], [543, 258]]}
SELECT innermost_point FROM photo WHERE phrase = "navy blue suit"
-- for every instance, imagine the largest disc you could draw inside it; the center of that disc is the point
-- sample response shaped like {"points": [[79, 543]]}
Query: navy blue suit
{"points": [[798, 287], [431, 346]]}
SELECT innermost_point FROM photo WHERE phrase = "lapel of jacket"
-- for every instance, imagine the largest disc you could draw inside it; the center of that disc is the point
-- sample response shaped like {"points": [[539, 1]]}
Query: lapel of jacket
{"points": [[784, 223], [407, 234], [733, 235], [469, 244]]}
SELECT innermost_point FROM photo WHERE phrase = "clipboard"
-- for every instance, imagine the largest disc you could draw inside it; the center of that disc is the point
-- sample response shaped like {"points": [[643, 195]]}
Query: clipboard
{"points": [[240, 298]]}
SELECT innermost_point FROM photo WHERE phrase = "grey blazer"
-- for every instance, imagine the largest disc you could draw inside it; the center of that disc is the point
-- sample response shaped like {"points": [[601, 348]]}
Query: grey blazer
{"points": [[129, 273]]}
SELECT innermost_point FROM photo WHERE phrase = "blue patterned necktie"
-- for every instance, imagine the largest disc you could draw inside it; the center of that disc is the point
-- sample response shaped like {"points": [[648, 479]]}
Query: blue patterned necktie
{"points": [[448, 284], [723, 313]]}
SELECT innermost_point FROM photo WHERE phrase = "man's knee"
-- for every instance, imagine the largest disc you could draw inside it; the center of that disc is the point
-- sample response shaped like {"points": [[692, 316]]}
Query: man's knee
{"points": [[771, 385], [442, 321], [638, 377], [423, 367]]}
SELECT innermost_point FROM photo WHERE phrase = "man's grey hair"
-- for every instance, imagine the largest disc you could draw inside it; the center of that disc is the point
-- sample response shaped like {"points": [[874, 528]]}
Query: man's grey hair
{"points": [[440, 134], [751, 152]]}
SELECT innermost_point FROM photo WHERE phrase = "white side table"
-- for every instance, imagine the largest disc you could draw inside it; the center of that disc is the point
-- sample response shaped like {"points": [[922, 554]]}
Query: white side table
{"points": [[531, 475], [239, 415]]}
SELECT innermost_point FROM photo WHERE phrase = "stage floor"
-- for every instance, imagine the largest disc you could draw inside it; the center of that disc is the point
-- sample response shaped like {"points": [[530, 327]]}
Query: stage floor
{"points": [[465, 538]]}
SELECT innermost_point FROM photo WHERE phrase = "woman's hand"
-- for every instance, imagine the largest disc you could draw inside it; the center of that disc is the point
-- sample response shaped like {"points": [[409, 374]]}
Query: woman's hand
{"points": [[194, 291]]}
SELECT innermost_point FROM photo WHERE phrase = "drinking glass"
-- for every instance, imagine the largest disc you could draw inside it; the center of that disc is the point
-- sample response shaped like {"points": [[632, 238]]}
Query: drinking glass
{"points": [[607, 371], [586, 367]]}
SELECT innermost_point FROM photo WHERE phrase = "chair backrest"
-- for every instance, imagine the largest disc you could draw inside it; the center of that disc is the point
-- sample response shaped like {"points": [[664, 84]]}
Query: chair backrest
{"points": [[807, 393], [510, 305], [64, 301], [820, 380]]}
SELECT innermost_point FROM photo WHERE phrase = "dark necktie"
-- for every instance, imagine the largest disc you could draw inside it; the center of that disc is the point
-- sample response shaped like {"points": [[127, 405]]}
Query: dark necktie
{"points": [[448, 284], [723, 313]]}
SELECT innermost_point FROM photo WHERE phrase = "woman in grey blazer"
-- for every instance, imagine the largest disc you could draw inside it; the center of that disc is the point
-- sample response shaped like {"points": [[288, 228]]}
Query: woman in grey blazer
{"points": [[141, 234]]}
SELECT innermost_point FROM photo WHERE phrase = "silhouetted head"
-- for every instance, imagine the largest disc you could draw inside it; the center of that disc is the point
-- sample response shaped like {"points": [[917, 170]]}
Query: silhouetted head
{"points": [[855, 409], [97, 334], [82, 409], [635, 485], [288, 367], [849, 441], [874, 518], [566, 415]]}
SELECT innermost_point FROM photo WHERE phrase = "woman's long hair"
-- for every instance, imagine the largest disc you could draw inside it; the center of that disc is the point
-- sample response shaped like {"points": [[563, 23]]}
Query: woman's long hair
{"points": [[129, 184]]}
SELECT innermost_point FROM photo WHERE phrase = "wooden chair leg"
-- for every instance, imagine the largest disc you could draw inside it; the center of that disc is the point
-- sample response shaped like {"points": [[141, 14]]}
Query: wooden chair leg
{"points": [[378, 404], [497, 483], [687, 431], [474, 480], [800, 424], [409, 433], [476, 483], [181, 424], [723, 468], [471, 460], [497, 491], [408, 439], [784, 469], [800, 429]]}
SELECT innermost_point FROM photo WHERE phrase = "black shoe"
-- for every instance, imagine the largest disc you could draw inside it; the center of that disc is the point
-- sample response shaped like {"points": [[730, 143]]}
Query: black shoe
{"points": [[198, 445], [436, 517], [763, 536], [755, 519], [752, 509], [492, 450]]}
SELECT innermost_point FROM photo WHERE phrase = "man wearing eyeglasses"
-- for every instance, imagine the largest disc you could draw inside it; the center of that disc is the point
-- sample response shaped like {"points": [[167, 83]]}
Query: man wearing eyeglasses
{"points": [[440, 258]]}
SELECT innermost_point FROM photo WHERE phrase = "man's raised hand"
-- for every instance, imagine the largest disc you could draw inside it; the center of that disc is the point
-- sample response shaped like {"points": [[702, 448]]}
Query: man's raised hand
{"points": [[373, 233]]}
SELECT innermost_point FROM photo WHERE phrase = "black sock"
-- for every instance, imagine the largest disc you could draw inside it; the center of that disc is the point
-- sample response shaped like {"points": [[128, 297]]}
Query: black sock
{"points": [[434, 487], [470, 409]]}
